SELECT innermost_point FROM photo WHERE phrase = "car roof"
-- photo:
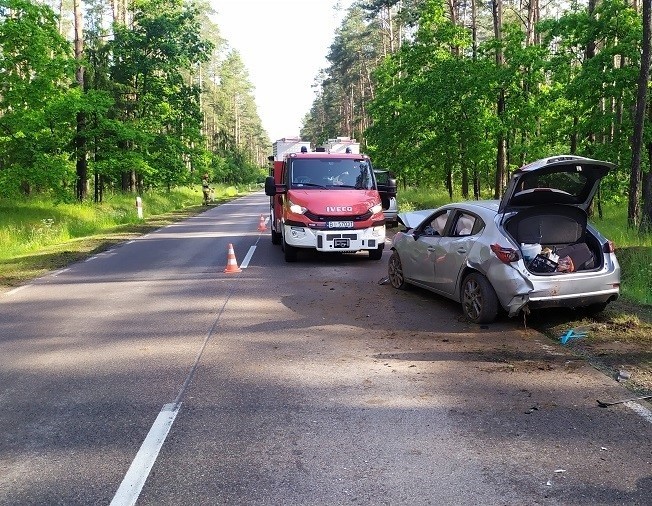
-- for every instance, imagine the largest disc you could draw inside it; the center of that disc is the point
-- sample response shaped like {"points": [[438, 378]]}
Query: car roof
{"points": [[486, 209]]}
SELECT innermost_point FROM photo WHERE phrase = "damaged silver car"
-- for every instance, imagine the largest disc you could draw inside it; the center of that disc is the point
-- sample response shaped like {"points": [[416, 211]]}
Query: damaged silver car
{"points": [[532, 249]]}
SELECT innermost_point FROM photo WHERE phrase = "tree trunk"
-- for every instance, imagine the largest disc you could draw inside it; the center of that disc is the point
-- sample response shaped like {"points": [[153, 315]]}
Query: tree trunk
{"points": [[646, 215], [501, 143], [474, 30], [80, 141], [639, 121], [590, 49], [644, 77]]}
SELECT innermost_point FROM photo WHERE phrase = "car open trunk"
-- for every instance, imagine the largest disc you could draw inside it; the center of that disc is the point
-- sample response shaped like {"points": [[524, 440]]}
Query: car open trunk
{"points": [[555, 239]]}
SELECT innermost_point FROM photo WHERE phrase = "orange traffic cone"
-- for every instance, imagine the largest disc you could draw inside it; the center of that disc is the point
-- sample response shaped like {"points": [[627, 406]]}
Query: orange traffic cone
{"points": [[231, 263], [261, 225]]}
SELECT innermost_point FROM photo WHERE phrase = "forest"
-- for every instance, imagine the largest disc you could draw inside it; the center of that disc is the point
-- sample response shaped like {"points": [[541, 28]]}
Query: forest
{"points": [[124, 96], [462, 92], [121, 96]]}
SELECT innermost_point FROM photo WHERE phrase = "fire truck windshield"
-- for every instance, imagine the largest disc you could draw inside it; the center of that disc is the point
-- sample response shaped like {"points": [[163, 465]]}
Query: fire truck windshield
{"points": [[331, 173]]}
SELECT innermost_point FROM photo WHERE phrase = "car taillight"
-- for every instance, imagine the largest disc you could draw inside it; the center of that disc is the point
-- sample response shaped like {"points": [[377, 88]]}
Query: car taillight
{"points": [[609, 247], [505, 255]]}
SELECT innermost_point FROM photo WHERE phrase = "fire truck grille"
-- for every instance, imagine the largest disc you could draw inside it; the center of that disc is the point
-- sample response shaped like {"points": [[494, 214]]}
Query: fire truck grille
{"points": [[320, 218]]}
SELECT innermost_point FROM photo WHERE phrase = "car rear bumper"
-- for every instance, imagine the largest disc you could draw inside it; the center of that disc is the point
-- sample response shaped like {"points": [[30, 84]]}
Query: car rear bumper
{"points": [[578, 289]]}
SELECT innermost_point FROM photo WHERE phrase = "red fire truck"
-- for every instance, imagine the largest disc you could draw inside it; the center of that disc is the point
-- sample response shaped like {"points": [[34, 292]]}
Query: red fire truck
{"points": [[326, 199]]}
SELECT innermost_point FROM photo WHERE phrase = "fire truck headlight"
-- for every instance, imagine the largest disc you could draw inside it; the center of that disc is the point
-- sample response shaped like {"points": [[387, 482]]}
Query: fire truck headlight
{"points": [[295, 208], [376, 209]]}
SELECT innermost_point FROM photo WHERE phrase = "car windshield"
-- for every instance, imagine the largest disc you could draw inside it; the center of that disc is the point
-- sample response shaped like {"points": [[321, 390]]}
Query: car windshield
{"points": [[331, 173]]}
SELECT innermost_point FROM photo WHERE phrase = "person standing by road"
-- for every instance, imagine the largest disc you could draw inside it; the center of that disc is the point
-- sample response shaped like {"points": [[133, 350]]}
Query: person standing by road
{"points": [[206, 189]]}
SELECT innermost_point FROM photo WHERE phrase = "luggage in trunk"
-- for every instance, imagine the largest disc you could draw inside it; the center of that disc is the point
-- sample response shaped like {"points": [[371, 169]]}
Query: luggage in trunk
{"points": [[559, 229]]}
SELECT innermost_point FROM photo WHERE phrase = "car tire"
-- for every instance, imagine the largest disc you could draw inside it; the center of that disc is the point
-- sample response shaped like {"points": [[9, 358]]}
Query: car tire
{"points": [[376, 254], [276, 237], [395, 272], [479, 299]]}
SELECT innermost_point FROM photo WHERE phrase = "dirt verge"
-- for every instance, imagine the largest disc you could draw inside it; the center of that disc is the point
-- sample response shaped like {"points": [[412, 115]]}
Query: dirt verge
{"points": [[618, 341]]}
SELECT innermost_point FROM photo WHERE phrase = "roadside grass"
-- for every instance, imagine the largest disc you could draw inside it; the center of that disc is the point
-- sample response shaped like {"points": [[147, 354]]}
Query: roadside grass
{"points": [[37, 235]]}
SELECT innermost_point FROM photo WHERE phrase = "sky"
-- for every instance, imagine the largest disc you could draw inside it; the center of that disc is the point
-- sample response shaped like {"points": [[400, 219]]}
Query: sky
{"points": [[283, 44]]}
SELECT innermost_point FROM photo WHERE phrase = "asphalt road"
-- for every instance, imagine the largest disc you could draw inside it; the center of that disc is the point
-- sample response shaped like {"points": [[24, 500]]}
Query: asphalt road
{"points": [[148, 373]]}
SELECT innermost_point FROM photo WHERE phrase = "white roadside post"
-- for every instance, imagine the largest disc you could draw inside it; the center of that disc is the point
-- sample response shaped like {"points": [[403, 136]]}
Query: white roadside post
{"points": [[139, 207]]}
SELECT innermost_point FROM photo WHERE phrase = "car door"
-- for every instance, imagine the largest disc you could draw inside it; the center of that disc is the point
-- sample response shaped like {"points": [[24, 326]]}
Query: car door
{"points": [[453, 249], [423, 251]]}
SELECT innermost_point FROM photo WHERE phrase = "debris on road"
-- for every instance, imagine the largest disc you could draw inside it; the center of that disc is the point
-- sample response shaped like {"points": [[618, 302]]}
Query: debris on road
{"points": [[603, 404], [571, 334], [384, 281], [623, 376]]}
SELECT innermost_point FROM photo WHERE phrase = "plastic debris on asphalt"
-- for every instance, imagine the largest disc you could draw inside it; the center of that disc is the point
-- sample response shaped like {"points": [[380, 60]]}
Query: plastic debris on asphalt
{"points": [[623, 376], [571, 334], [384, 281]]}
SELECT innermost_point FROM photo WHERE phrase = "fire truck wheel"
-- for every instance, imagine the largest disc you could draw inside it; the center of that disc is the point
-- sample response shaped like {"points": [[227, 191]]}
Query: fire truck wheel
{"points": [[376, 254], [290, 252]]}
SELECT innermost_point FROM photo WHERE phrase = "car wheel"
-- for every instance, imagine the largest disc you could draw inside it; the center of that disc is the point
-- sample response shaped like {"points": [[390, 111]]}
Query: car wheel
{"points": [[276, 237], [395, 272], [376, 254], [479, 300]]}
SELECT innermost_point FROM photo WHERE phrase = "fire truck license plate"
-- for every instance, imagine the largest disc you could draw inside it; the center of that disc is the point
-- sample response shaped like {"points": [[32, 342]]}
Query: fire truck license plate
{"points": [[340, 224], [340, 243]]}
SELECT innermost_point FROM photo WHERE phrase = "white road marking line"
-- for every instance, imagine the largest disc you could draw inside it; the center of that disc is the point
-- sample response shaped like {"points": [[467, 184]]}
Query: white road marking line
{"points": [[17, 289], [133, 482], [248, 256], [640, 410]]}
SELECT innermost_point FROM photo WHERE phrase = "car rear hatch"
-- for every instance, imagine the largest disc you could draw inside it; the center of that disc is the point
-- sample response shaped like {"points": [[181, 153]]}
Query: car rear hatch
{"points": [[544, 210], [567, 180]]}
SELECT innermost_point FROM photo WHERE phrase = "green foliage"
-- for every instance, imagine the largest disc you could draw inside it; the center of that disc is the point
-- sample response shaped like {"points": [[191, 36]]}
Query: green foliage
{"points": [[37, 108], [31, 224], [138, 120], [160, 113], [568, 85]]}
